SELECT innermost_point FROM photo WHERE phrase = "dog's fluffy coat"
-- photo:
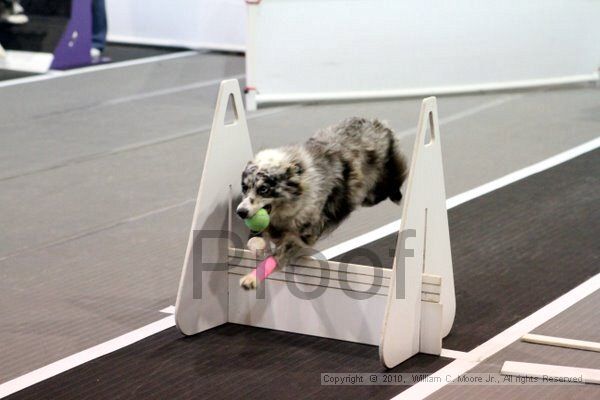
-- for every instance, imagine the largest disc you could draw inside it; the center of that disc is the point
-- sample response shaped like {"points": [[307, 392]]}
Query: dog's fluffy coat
{"points": [[309, 189]]}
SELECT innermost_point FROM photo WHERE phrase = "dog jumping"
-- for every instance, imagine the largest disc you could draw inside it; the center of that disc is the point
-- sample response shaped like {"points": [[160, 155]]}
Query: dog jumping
{"points": [[310, 188]]}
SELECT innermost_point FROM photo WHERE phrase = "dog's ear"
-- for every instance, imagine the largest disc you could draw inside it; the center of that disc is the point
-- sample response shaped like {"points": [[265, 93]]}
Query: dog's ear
{"points": [[295, 168], [250, 167]]}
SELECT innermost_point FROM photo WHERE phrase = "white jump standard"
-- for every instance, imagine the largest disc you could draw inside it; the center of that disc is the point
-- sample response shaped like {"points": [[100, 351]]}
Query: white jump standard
{"points": [[404, 310]]}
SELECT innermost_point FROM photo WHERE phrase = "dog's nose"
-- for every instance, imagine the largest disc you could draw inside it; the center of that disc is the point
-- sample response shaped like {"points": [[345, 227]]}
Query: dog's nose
{"points": [[242, 212]]}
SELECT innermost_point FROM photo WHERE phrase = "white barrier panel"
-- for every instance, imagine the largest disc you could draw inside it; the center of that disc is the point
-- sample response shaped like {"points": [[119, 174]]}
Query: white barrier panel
{"points": [[210, 24], [304, 50]]}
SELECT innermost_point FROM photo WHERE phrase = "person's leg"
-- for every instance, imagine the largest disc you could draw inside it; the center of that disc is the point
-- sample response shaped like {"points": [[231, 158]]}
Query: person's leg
{"points": [[99, 24]]}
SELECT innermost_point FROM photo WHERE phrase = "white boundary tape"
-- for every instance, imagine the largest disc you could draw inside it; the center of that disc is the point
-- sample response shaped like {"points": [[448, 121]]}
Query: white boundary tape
{"points": [[95, 68], [463, 362], [168, 310], [165, 92]]}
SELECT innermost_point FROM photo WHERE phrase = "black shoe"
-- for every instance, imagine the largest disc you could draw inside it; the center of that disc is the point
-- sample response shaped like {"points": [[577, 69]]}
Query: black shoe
{"points": [[14, 15]]}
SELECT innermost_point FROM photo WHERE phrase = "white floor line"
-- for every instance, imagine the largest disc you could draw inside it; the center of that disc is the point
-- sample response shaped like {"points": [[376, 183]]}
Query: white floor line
{"points": [[171, 90], [457, 355], [82, 357], [462, 363], [97, 229], [500, 341], [168, 310], [466, 113], [95, 68], [145, 143], [452, 202]]}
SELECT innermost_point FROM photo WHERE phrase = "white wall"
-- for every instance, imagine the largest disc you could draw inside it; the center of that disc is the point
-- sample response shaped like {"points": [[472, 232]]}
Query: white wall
{"points": [[338, 49], [213, 24]]}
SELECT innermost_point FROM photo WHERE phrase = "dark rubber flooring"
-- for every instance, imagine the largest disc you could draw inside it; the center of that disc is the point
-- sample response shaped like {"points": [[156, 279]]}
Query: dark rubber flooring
{"points": [[514, 250]]}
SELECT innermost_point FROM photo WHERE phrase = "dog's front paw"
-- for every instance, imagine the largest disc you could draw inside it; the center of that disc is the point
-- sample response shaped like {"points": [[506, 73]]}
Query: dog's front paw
{"points": [[248, 282]]}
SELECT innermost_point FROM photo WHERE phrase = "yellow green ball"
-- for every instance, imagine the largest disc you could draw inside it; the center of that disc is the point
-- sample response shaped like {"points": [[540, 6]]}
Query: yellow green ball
{"points": [[259, 221]]}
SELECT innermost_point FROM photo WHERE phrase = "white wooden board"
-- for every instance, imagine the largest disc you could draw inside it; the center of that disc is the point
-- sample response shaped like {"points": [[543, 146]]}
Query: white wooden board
{"points": [[561, 342], [332, 314], [424, 213], [202, 301], [430, 335], [524, 369], [26, 61], [306, 50]]}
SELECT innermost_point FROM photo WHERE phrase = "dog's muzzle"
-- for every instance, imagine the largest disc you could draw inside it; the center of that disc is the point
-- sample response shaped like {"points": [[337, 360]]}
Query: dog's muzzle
{"points": [[242, 213]]}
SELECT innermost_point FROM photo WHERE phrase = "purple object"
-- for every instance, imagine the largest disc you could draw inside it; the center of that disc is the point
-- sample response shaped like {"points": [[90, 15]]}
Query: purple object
{"points": [[74, 47]]}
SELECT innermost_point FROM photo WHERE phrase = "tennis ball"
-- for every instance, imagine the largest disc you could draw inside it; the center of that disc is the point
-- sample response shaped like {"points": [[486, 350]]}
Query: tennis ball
{"points": [[259, 221]]}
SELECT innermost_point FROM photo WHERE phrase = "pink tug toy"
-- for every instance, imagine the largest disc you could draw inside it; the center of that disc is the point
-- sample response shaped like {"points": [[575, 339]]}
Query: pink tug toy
{"points": [[265, 268]]}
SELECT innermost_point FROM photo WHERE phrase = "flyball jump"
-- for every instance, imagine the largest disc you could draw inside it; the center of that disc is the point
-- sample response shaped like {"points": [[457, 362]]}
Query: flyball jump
{"points": [[404, 310]]}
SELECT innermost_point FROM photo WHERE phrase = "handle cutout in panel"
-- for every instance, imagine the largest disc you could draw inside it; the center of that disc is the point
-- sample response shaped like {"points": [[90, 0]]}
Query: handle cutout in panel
{"points": [[429, 131], [231, 112]]}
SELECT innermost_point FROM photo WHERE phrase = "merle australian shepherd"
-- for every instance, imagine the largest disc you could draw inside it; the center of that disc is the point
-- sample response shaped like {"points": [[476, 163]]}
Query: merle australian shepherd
{"points": [[309, 189]]}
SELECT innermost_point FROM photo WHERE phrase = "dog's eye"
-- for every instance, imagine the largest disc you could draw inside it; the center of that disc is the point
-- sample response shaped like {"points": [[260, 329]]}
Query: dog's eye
{"points": [[262, 190], [244, 188]]}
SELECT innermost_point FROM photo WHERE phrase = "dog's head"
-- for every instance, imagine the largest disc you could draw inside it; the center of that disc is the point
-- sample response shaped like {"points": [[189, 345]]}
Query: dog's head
{"points": [[269, 181]]}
